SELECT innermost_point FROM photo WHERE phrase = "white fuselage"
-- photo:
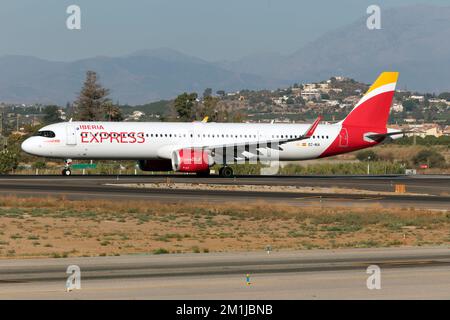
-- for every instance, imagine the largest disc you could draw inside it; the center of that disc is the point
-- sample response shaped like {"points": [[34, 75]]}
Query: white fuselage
{"points": [[157, 140]]}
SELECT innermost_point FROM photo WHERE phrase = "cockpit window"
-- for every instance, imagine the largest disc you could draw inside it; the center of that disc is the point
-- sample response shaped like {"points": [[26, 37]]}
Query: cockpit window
{"points": [[45, 133]]}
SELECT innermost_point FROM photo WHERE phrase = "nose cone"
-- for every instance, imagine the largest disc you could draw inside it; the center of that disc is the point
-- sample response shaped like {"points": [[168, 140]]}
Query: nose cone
{"points": [[29, 146]]}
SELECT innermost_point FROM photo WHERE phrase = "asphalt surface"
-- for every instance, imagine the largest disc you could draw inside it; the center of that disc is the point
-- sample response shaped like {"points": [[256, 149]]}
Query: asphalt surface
{"points": [[434, 190], [406, 273]]}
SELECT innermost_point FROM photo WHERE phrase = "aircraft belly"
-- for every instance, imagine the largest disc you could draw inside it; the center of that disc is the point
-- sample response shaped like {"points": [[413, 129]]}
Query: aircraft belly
{"points": [[302, 150]]}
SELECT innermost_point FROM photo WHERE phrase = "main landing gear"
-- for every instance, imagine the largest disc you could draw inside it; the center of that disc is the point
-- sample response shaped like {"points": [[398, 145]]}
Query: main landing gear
{"points": [[66, 171], [226, 172]]}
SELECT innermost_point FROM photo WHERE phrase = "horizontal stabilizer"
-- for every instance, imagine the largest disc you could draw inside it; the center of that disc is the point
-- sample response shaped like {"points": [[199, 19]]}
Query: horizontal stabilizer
{"points": [[382, 136]]}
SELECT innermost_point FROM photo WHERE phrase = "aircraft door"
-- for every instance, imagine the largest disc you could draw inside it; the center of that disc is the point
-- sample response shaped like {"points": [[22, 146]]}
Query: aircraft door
{"points": [[71, 134], [343, 138]]}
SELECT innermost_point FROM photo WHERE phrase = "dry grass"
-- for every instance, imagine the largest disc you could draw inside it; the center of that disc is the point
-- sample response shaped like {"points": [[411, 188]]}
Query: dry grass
{"points": [[56, 227]]}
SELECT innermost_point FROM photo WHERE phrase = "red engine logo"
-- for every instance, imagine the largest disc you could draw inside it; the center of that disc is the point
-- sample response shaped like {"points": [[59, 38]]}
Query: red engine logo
{"points": [[191, 160]]}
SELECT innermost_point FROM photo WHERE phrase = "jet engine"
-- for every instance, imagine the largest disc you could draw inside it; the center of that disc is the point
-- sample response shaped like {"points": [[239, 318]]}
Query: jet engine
{"points": [[191, 160]]}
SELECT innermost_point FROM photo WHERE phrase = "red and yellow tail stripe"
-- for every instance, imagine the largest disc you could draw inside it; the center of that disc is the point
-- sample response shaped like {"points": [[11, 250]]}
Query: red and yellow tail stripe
{"points": [[385, 78]]}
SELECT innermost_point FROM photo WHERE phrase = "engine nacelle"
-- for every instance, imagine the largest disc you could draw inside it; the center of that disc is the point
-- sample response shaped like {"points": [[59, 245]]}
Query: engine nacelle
{"points": [[191, 160], [155, 165]]}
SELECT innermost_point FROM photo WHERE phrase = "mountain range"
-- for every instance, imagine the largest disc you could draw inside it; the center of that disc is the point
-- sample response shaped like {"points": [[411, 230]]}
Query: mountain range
{"points": [[413, 40]]}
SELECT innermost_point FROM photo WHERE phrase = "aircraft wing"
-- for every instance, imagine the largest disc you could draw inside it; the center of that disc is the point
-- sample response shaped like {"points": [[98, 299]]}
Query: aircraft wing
{"points": [[247, 150], [306, 135]]}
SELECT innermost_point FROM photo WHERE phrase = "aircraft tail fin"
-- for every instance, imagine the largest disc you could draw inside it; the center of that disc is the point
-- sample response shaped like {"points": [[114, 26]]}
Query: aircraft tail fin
{"points": [[372, 110]]}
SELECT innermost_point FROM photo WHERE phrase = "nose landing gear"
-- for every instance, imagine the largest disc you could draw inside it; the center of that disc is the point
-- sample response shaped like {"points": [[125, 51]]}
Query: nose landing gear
{"points": [[66, 171]]}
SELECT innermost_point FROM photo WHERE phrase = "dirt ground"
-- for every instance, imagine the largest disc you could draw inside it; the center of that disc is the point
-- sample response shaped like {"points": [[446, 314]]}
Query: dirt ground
{"points": [[55, 227]]}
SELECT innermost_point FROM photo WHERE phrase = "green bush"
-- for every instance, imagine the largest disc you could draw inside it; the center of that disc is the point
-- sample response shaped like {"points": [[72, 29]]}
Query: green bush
{"points": [[426, 141], [161, 251], [39, 165], [430, 157], [376, 167], [8, 161], [367, 155]]}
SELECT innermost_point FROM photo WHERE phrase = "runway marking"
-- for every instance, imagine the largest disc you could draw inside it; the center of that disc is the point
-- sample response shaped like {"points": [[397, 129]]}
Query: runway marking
{"points": [[306, 198], [371, 198], [341, 199]]}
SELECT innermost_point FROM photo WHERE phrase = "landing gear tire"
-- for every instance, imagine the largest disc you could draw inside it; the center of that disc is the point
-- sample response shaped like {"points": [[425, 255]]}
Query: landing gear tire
{"points": [[66, 172], [226, 172]]}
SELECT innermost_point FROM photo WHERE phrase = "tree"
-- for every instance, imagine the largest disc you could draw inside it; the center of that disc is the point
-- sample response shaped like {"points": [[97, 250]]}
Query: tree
{"points": [[207, 93], [51, 114], [444, 95], [220, 93], [409, 105], [184, 105], [290, 100], [112, 112], [8, 161], [91, 100], [9, 156], [325, 96], [208, 108]]}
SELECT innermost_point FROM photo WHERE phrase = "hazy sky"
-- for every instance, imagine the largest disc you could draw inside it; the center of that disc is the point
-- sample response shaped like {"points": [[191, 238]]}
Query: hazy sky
{"points": [[210, 29]]}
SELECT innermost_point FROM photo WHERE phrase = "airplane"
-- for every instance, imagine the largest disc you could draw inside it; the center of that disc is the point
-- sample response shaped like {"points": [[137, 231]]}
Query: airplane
{"points": [[196, 146]]}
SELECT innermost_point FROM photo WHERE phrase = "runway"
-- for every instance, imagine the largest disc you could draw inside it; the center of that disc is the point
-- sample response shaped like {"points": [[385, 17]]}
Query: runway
{"points": [[435, 189], [406, 273]]}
